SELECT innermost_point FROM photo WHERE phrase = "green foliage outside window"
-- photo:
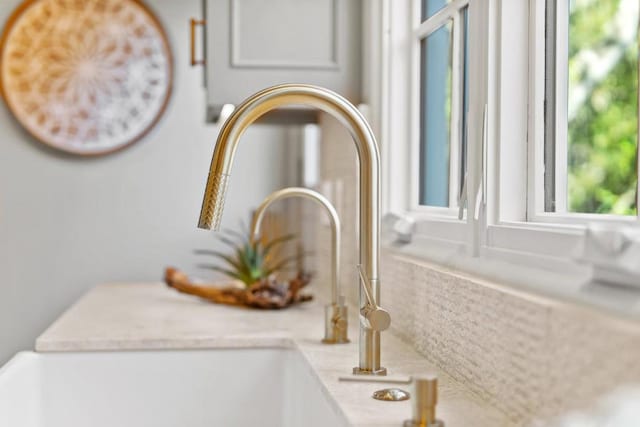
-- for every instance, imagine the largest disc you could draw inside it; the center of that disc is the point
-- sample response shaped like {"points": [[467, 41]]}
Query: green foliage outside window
{"points": [[603, 106]]}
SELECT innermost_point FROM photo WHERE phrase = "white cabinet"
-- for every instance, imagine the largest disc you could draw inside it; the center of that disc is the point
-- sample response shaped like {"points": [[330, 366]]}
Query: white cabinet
{"points": [[252, 44]]}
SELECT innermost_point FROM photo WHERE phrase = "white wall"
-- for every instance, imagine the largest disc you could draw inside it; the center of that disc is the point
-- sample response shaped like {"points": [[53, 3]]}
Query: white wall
{"points": [[67, 224]]}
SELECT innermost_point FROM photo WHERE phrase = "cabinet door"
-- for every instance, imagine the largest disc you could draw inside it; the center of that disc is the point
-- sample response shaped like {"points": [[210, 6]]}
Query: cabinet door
{"points": [[253, 44]]}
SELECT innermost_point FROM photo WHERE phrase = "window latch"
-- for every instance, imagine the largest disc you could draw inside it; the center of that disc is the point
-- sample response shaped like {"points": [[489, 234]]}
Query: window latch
{"points": [[402, 227]]}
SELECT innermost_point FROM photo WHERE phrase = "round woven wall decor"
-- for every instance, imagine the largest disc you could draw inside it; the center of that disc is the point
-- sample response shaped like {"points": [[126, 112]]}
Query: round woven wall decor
{"points": [[85, 76]]}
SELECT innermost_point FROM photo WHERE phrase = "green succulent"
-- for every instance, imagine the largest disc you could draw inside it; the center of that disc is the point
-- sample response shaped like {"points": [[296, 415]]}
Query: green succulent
{"points": [[249, 261]]}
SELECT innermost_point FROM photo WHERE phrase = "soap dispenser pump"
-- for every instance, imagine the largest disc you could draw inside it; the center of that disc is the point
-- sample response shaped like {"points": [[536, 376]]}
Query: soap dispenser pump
{"points": [[424, 399]]}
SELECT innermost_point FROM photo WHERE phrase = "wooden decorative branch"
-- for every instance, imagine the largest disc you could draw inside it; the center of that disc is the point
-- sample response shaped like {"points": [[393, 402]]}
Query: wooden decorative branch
{"points": [[266, 293]]}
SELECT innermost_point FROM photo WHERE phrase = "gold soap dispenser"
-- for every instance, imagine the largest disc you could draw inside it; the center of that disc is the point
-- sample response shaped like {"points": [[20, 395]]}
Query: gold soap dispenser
{"points": [[424, 398]]}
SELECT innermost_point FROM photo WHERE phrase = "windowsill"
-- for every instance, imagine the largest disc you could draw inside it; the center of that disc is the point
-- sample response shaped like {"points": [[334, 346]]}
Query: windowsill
{"points": [[538, 277]]}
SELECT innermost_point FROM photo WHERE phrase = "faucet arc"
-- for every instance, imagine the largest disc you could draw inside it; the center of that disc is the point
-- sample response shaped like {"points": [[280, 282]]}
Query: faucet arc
{"points": [[306, 193], [369, 176]]}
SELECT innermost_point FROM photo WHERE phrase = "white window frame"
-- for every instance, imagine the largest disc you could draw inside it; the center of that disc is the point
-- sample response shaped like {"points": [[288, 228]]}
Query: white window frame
{"points": [[504, 220], [422, 30], [394, 97], [516, 221], [538, 69]]}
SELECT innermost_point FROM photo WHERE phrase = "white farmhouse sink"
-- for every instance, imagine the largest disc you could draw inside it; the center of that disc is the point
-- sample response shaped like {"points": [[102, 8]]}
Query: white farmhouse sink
{"points": [[193, 388]]}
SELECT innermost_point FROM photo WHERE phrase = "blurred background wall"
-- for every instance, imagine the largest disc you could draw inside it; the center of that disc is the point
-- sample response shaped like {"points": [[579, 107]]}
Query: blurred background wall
{"points": [[69, 223]]}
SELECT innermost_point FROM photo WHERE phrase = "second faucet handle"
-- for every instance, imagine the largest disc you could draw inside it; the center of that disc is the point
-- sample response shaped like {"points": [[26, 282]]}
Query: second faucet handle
{"points": [[336, 323]]}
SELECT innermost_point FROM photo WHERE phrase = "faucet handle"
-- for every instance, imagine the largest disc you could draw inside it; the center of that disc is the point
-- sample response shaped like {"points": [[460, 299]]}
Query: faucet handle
{"points": [[336, 323], [375, 317]]}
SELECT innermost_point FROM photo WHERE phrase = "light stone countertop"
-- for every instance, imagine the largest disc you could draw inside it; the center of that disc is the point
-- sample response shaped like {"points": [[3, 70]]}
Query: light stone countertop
{"points": [[139, 316]]}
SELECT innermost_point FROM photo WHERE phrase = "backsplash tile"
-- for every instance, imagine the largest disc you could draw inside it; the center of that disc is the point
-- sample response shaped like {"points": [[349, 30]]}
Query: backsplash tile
{"points": [[588, 357], [490, 341], [529, 357]]}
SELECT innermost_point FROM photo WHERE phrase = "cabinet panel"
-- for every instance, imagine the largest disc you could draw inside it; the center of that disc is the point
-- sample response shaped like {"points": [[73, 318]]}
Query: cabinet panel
{"points": [[252, 44]]}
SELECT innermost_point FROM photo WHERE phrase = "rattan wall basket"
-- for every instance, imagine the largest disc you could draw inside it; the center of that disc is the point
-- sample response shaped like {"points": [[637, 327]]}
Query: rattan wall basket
{"points": [[88, 77]]}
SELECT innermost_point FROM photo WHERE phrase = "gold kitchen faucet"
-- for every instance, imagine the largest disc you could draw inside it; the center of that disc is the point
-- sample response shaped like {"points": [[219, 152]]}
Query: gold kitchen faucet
{"points": [[373, 319]]}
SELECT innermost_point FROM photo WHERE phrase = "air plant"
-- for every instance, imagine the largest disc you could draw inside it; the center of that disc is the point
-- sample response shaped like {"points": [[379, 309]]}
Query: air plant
{"points": [[251, 260]]}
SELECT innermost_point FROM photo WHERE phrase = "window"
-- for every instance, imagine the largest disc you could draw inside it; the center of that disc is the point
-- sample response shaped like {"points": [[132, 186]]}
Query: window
{"points": [[523, 111], [424, 50], [443, 93], [591, 107]]}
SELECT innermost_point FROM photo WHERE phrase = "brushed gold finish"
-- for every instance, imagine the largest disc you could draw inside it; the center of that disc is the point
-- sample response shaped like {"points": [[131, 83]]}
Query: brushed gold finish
{"points": [[424, 396], [411, 423], [211, 213], [425, 399], [391, 395], [369, 173], [365, 371], [374, 316], [336, 323], [193, 23], [336, 318]]}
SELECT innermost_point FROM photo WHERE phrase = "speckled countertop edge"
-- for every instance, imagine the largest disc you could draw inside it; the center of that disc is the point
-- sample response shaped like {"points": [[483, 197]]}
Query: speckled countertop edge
{"points": [[148, 316]]}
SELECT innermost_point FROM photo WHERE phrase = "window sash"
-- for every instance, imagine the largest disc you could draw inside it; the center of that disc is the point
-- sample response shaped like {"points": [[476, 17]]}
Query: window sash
{"points": [[437, 106], [553, 193], [451, 12]]}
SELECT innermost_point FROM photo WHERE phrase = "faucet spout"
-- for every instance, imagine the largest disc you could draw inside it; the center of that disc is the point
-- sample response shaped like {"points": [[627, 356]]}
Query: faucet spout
{"points": [[336, 321], [369, 173], [306, 193]]}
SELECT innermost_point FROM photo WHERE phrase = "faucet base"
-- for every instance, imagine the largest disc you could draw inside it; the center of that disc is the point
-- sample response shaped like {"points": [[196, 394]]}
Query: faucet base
{"points": [[335, 341], [359, 371], [336, 324]]}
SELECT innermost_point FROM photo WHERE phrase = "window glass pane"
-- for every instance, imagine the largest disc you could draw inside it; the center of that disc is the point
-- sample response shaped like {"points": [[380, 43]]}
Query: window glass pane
{"points": [[602, 106], [435, 117], [430, 7]]}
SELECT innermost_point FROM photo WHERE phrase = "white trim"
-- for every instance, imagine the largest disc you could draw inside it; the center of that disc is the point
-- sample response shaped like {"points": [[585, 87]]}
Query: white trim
{"points": [[560, 242], [581, 219], [536, 133], [494, 107], [390, 35], [450, 13], [457, 90], [414, 107], [434, 212], [508, 113], [479, 30], [438, 19], [394, 124], [561, 104]]}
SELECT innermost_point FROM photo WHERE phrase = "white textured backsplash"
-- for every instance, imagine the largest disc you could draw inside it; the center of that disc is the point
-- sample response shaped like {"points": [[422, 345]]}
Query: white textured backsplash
{"points": [[529, 356]]}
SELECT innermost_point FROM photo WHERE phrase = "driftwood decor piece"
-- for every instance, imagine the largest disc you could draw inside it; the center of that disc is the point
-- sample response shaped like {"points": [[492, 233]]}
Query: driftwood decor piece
{"points": [[266, 293], [254, 266], [87, 77]]}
